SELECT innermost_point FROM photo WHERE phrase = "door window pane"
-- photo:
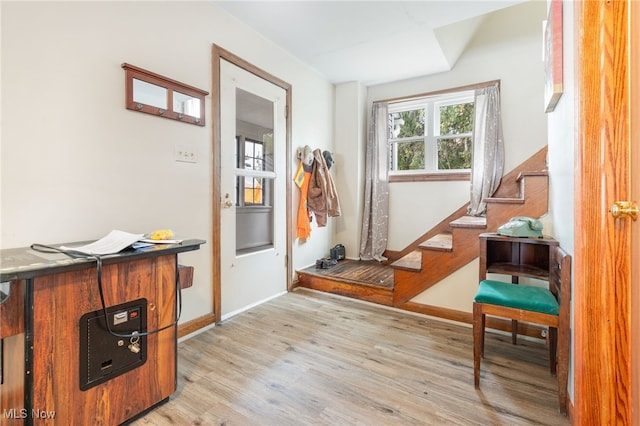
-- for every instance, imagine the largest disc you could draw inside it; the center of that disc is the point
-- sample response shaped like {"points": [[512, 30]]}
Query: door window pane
{"points": [[254, 222], [253, 155], [254, 180]]}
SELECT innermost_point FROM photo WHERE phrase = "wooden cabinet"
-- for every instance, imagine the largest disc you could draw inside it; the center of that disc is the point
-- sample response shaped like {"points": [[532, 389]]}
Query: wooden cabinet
{"points": [[518, 257], [42, 352]]}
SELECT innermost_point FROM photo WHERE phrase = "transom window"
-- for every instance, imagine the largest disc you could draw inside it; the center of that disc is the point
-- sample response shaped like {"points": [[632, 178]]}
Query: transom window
{"points": [[431, 135]]}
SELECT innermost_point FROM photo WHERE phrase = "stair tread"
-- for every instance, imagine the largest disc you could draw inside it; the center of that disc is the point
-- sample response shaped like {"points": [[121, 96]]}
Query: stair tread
{"points": [[470, 222], [443, 242], [410, 262], [505, 200], [521, 175], [438, 264]]}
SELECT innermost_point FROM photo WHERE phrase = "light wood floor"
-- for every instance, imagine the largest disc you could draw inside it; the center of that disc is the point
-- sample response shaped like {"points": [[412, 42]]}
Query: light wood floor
{"points": [[309, 358]]}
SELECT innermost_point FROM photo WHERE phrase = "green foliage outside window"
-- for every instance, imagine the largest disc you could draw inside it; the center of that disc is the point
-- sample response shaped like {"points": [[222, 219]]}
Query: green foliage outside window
{"points": [[456, 118], [413, 123], [411, 154], [455, 152], [452, 139]]}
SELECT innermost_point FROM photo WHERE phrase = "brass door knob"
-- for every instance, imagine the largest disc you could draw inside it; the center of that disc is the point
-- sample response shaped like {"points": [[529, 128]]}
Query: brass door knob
{"points": [[227, 203], [624, 208]]}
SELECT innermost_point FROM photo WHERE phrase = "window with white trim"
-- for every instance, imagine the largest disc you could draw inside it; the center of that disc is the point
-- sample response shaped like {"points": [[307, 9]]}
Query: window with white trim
{"points": [[254, 184], [431, 135]]}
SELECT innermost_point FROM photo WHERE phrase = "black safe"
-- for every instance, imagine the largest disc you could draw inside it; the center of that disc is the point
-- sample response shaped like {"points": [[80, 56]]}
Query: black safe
{"points": [[104, 356]]}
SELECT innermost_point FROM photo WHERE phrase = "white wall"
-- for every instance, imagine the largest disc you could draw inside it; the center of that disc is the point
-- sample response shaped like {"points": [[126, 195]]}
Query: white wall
{"points": [[313, 128], [76, 163], [561, 145], [562, 139], [350, 131]]}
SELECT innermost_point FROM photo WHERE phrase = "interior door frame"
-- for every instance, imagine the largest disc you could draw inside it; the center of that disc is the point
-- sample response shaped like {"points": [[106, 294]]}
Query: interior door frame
{"points": [[218, 54], [634, 104], [605, 279]]}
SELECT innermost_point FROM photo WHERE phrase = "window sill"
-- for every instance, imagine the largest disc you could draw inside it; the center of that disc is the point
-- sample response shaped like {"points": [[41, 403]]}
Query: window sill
{"points": [[430, 177]]}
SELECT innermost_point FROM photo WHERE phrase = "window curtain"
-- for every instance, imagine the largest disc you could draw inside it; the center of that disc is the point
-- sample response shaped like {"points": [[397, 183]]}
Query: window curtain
{"points": [[375, 218], [488, 149]]}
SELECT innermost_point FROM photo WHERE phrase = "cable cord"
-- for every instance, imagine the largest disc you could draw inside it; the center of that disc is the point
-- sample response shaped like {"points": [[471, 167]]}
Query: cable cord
{"points": [[73, 253]]}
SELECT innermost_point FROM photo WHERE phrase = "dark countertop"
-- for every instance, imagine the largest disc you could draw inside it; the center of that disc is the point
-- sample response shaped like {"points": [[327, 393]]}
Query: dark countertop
{"points": [[24, 262]]}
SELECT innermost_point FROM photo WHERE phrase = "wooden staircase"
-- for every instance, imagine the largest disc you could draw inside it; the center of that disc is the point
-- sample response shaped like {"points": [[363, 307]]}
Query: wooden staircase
{"points": [[446, 247], [453, 243]]}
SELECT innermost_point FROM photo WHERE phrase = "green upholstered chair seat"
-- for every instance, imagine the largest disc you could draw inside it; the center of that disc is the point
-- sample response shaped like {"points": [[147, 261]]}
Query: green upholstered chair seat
{"points": [[517, 296]]}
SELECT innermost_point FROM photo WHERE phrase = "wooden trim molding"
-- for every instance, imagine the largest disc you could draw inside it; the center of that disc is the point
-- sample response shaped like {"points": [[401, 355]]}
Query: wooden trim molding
{"points": [[634, 104], [440, 92], [524, 329], [430, 177], [215, 184], [196, 324]]}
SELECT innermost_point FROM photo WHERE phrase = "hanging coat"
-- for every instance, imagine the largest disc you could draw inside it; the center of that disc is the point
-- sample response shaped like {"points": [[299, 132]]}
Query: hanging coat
{"points": [[302, 178], [322, 196]]}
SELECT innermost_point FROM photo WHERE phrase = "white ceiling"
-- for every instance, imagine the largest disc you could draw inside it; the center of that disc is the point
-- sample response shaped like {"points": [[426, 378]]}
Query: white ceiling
{"points": [[369, 41]]}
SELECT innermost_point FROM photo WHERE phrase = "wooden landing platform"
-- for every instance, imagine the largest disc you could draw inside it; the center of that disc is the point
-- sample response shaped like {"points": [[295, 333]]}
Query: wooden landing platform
{"points": [[366, 280]]}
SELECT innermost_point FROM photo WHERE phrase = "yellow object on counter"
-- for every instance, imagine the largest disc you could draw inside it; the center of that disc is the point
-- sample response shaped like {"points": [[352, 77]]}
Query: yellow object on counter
{"points": [[161, 234]]}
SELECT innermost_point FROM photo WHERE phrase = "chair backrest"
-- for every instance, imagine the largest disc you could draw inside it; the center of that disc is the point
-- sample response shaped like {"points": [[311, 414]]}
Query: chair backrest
{"points": [[560, 280]]}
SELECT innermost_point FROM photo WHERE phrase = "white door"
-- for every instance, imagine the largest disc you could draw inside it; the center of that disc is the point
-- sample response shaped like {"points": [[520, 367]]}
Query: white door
{"points": [[253, 189]]}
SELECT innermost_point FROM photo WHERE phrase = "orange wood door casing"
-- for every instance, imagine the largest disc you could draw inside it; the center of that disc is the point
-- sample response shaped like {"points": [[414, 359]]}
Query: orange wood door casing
{"points": [[602, 273], [634, 105]]}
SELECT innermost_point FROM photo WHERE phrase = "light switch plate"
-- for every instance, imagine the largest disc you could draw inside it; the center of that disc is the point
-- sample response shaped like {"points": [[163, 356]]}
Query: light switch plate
{"points": [[181, 153]]}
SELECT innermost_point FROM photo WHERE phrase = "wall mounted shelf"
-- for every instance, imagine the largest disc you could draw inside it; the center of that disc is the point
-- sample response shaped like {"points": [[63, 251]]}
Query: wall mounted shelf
{"points": [[155, 94]]}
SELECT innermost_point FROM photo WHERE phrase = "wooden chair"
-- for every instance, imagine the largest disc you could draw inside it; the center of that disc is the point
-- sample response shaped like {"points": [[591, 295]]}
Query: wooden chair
{"points": [[532, 304]]}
